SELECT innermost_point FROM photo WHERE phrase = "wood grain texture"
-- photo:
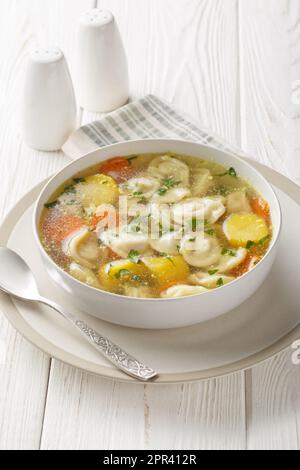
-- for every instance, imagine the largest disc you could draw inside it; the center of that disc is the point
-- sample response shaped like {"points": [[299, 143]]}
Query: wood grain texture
{"points": [[273, 405], [86, 412], [270, 68], [231, 64], [24, 25]]}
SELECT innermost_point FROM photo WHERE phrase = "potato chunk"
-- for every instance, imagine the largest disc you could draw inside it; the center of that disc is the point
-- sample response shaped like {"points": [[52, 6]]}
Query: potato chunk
{"points": [[98, 189], [116, 273], [242, 227], [167, 268]]}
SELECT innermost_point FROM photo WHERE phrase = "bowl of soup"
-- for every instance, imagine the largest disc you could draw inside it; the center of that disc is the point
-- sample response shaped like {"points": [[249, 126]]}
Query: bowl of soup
{"points": [[158, 233]]}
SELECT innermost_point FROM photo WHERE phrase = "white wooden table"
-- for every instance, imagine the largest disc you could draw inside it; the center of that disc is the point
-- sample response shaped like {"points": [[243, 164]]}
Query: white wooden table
{"points": [[232, 64]]}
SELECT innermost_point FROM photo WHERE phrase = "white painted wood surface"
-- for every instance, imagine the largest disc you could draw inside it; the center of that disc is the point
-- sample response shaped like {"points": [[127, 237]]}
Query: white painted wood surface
{"points": [[232, 65]]}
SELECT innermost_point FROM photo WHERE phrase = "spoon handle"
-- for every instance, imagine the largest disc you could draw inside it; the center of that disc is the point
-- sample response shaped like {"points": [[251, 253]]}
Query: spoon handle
{"points": [[120, 358]]}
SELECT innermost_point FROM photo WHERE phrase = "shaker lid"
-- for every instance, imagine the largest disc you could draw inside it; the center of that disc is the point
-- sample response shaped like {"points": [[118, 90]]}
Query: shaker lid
{"points": [[46, 55], [96, 17]]}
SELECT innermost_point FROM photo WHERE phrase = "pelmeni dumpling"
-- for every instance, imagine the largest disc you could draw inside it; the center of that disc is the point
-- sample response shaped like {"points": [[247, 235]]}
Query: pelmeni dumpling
{"points": [[140, 187], [182, 290], [82, 246], [172, 195], [206, 208], [123, 241], [231, 259], [210, 281], [84, 274], [200, 250], [168, 167], [201, 181], [237, 202], [167, 243]]}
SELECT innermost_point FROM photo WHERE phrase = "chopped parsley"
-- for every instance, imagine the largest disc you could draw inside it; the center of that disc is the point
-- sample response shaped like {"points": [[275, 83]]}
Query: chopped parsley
{"points": [[230, 172], [220, 282], [211, 272], [122, 273], [70, 189], [137, 193], [50, 205], [167, 184], [134, 256], [261, 242], [228, 252], [79, 180], [209, 231], [194, 224]]}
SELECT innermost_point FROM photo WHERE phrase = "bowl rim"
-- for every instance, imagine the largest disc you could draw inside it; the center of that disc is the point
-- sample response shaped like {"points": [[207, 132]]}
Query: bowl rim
{"points": [[211, 292]]}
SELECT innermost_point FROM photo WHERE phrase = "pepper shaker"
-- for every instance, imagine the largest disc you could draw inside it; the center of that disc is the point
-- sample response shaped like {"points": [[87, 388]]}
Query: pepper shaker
{"points": [[102, 64], [49, 106]]}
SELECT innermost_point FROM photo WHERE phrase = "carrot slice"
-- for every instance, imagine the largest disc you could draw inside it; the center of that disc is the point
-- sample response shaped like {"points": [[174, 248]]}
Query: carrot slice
{"points": [[171, 284], [105, 215], [119, 168], [248, 263], [56, 228], [260, 207]]}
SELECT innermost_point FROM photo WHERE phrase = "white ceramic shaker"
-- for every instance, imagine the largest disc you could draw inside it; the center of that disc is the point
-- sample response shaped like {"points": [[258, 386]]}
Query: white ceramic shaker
{"points": [[102, 64], [49, 106]]}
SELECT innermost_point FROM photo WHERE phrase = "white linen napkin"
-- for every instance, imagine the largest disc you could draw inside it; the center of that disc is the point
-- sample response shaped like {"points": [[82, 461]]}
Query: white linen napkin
{"points": [[148, 117]]}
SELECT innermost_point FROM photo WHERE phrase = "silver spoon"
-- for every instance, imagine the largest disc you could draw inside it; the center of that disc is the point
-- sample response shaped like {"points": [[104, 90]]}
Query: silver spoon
{"points": [[17, 279]]}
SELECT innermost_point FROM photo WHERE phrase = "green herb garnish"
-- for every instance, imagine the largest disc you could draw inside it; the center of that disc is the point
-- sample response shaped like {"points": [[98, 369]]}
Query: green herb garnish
{"points": [[228, 252], [134, 256], [194, 224], [122, 273], [137, 193], [209, 231], [79, 180], [249, 244], [230, 172], [211, 272], [162, 191], [50, 205], [220, 282], [70, 189], [136, 277]]}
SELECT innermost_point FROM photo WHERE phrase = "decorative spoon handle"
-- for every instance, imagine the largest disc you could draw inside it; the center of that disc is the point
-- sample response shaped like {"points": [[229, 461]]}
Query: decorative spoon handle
{"points": [[120, 358]]}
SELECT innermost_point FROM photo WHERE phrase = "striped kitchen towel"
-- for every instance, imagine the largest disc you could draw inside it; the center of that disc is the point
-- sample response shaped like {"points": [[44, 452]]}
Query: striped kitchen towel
{"points": [[149, 117]]}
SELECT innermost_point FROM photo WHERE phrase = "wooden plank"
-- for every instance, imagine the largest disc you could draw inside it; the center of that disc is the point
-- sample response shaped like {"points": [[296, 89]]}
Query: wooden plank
{"points": [[273, 405], [86, 412], [208, 415], [23, 25], [270, 70], [175, 50]]}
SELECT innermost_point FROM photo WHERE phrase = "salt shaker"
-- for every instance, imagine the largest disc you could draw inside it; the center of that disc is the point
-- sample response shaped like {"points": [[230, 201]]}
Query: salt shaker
{"points": [[49, 106], [102, 64]]}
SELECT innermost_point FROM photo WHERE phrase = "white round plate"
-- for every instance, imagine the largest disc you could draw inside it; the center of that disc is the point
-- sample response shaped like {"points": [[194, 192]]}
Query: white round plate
{"points": [[261, 327]]}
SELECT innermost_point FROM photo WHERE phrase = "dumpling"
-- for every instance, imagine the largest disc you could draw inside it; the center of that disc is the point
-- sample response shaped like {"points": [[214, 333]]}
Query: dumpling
{"points": [[231, 259], [124, 241], [168, 167], [207, 208], [171, 196], [237, 202], [210, 280], [137, 291], [84, 274], [201, 181], [200, 250], [182, 290], [168, 243], [140, 187], [82, 246]]}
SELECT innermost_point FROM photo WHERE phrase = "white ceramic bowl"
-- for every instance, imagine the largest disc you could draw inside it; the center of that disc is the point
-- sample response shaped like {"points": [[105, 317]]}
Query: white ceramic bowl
{"points": [[162, 313]]}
